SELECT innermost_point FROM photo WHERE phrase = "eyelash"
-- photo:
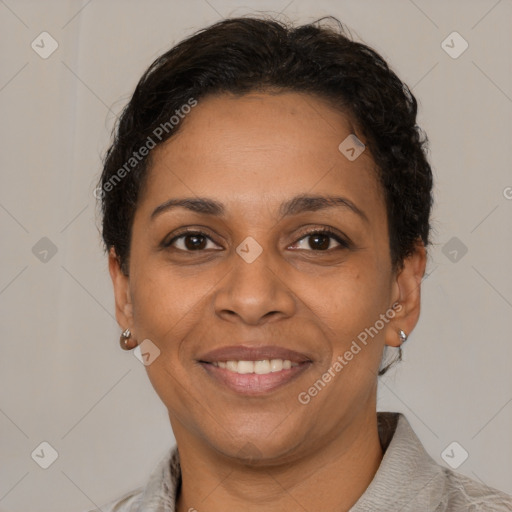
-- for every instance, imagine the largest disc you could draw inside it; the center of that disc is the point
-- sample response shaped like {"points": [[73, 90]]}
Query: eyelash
{"points": [[323, 231]]}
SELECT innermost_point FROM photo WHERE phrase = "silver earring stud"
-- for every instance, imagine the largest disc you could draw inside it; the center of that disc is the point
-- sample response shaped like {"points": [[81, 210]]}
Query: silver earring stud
{"points": [[403, 336]]}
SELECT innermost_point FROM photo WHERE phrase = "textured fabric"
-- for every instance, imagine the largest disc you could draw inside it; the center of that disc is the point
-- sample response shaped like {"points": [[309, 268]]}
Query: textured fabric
{"points": [[408, 480]]}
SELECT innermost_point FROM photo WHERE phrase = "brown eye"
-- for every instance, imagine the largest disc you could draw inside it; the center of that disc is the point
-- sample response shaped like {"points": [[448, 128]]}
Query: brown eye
{"points": [[194, 242], [319, 241], [322, 241], [190, 241]]}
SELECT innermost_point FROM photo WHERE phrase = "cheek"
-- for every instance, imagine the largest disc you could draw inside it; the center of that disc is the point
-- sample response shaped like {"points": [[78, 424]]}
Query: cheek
{"points": [[164, 312], [348, 310], [163, 299], [350, 300], [169, 310]]}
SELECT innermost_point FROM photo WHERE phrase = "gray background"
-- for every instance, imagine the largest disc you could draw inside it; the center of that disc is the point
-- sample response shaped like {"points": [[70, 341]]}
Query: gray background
{"points": [[64, 378]]}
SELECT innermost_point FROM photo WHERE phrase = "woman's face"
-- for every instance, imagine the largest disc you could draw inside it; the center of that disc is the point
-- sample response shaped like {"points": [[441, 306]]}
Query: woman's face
{"points": [[256, 277]]}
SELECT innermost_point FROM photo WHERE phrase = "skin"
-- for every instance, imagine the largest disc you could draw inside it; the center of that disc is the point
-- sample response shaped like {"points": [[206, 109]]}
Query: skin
{"points": [[314, 296]]}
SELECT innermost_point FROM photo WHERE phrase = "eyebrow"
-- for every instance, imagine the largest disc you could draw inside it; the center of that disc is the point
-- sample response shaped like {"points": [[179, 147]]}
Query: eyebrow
{"points": [[298, 204]]}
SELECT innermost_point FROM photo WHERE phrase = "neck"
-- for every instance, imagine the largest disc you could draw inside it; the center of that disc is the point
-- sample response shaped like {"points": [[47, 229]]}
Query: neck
{"points": [[332, 477]]}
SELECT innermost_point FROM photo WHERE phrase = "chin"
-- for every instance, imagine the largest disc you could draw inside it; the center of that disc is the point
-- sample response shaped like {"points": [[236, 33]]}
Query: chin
{"points": [[258, 448]]}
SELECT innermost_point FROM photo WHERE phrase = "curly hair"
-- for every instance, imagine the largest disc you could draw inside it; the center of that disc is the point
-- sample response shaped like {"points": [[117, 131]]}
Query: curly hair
{"points": [[241, 55]]}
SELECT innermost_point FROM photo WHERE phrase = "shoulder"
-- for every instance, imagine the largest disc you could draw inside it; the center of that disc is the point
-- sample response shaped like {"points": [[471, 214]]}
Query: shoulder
{"points": [[159, 493], [462, 493], [409, 479], [129, 502]]}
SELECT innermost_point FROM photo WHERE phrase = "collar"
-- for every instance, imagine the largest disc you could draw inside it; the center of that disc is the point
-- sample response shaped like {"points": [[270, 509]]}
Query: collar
{"points": [[408, 479]]}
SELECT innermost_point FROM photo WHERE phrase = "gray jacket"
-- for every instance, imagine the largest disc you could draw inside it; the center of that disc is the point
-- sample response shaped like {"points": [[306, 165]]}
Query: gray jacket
{"points": [[408, 480]]}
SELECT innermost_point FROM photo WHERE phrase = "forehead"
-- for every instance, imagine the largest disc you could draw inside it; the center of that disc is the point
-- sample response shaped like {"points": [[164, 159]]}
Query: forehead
{"points": [[243, 150]]}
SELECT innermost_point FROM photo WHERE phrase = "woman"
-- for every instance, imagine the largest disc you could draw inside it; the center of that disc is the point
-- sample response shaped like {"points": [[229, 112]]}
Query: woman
{"points": [[266, 207]]}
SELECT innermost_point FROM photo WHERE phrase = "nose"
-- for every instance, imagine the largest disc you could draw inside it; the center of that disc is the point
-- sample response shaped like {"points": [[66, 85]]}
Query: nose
{"points": [[255, 292]]}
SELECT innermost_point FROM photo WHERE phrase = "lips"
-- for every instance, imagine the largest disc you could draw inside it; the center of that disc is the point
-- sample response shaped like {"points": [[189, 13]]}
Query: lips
{"points": [[253, 383], [247, 353]]}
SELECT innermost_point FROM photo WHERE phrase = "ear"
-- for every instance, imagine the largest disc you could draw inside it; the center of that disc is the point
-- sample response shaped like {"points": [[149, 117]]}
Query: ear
{"points": [[121, 282], [407, 295]]}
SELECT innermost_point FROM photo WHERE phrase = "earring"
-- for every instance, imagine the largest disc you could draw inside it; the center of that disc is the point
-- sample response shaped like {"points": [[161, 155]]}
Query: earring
{"points": [[403, 336], [123, 340]]}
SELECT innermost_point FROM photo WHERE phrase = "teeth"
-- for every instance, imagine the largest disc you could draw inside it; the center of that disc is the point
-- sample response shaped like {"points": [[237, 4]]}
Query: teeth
{"points": [[276, 365], [259, 367], [232, 366], [245, 366]]}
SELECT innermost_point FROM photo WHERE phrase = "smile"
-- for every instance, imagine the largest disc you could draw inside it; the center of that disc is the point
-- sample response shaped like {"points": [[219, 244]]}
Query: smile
{"points": [[259, 367], [254, 377]]}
